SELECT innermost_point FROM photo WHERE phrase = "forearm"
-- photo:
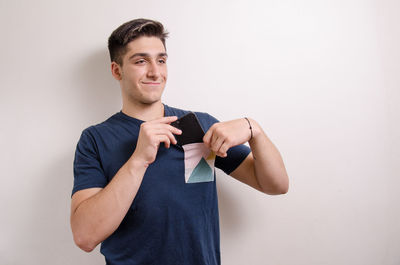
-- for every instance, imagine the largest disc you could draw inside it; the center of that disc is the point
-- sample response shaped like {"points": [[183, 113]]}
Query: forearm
{"points": [[99, 216], [269, 168]]}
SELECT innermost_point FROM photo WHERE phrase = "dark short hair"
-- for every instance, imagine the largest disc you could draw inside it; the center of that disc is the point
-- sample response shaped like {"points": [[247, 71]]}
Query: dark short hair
{"points": [[129, 31]]}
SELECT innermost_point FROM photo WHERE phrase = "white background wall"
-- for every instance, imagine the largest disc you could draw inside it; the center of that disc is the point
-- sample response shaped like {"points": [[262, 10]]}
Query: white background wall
{"points": [[321, 77]]}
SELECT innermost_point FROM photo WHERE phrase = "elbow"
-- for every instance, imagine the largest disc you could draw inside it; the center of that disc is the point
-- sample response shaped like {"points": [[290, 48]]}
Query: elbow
{"points": [[276, 191], [84, 244], [284, 186], [284, 189], [84, 241], [279, 188]]}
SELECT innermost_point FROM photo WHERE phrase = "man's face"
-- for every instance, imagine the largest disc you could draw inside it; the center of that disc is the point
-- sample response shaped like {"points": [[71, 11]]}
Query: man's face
{"points": [[144, 71]]}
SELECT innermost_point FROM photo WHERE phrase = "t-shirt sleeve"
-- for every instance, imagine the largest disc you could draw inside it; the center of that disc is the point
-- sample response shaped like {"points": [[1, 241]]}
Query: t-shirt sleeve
{"points": [[235, 155], [88, 171]]}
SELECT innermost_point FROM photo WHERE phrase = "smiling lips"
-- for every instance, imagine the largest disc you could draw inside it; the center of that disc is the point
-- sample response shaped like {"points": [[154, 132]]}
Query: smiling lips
{"points": [[151, 83]]}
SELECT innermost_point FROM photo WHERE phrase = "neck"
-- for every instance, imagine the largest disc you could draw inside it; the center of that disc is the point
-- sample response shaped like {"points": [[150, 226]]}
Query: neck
{"points": [[144, 112]]}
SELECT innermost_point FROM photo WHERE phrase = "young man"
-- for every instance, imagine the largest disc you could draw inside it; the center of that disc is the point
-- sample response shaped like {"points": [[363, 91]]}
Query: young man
{"points": [[142, 199]]}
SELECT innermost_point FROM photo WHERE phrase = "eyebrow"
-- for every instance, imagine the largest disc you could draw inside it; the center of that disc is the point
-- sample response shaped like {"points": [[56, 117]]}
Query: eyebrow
{"points": [[141, 54]]}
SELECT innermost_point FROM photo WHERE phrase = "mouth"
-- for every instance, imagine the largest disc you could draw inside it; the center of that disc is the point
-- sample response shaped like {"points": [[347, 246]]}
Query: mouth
{"points": [[152, 83]]}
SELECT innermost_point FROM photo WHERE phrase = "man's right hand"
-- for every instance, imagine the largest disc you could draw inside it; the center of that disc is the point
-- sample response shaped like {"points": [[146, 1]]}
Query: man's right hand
{"points": [[151, 134]]}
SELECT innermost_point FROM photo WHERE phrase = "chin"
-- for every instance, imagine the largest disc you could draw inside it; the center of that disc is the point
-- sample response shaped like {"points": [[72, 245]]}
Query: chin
{"points": [[150, 101]]}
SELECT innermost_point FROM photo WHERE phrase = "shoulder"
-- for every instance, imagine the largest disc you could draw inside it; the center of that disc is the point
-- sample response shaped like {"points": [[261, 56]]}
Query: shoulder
{"points": [[206, 120], [95, 130]]}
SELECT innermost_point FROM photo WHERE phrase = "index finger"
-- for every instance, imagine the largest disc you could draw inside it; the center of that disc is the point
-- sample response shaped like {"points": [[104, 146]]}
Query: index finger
{"points": [[167, 119], [207, 136]]}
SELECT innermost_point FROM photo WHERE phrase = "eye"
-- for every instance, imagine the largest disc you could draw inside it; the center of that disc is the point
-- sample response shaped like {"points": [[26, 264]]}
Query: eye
{"points": [[140, 61], [162, 61]]}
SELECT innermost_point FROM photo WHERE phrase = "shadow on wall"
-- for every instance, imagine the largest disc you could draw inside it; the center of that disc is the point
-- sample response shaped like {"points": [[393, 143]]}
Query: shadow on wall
{"points": [[98, 93], [46, 236], [231, 211]]}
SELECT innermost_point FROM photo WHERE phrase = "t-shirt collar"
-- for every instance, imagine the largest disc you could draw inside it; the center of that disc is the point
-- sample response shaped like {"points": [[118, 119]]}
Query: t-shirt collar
{"points": [[167, 112]]}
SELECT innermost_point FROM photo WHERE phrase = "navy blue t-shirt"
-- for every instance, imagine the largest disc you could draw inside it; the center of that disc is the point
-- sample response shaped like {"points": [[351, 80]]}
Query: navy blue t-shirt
{"points": [[171, 221]]}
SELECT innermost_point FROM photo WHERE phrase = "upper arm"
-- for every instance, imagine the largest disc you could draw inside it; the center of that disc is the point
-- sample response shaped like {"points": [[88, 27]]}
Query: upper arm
{"points": [[81, 196], [89, 176], [245, 173]]}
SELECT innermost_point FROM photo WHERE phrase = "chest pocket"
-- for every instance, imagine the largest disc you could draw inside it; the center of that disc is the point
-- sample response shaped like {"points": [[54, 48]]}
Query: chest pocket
{"points": [[199, 163]]}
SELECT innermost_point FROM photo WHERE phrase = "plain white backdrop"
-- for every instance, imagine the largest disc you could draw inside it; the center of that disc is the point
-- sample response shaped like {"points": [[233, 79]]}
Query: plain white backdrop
{"points": [[321, 77]]}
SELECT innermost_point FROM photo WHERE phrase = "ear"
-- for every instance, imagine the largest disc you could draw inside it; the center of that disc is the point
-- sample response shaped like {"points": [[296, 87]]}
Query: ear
{"points": [[116, 71]]}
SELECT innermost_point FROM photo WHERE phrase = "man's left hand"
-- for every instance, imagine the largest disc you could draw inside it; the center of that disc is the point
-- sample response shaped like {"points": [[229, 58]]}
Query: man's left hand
{"points": [[223, 135]]}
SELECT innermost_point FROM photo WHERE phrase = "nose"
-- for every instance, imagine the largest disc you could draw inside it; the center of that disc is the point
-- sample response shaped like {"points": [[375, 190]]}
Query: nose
{"points": [[153, 71]]}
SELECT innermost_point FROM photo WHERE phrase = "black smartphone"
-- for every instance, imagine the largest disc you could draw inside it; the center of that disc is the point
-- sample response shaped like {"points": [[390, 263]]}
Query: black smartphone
{"points": [[191, 129]]}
